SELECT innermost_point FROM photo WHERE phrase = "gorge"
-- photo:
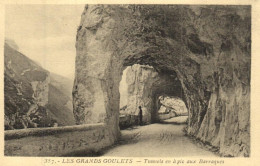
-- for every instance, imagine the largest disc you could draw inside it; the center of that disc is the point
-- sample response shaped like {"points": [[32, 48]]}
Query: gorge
{"points": [[34, 97]]}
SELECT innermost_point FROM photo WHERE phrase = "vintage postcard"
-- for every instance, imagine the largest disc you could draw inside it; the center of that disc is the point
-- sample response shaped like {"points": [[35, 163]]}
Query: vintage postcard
{"points": [[130, 83]]}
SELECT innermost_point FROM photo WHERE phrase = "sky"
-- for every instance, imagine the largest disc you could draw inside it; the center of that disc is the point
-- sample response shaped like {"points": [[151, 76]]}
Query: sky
{"points": [[45, 34]]}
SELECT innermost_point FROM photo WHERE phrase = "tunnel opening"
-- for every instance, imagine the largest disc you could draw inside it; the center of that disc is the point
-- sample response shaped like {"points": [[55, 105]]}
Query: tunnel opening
{"points": [[171, 109], [143, 91]]}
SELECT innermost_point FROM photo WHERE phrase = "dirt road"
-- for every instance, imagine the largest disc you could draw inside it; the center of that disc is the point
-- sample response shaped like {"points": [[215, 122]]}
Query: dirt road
{"points": [[157, 140]]}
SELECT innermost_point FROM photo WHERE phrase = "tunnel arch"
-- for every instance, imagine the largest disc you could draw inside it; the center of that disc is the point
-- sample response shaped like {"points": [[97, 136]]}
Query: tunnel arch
{"points": [[143, 84], [180, 40]]}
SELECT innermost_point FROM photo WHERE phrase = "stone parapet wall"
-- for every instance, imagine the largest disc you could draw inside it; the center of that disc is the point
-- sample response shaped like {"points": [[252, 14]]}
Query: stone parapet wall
{"points": [[126, 121], [57, 141]]}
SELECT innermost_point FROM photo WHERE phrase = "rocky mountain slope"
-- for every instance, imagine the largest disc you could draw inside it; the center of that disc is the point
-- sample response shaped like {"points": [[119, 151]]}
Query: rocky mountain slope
{"points": [[31, 100], [60, 100]]}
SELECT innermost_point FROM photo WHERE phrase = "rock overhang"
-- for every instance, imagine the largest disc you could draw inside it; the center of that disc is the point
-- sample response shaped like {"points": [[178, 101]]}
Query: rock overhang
{"points": [[206, 47]]}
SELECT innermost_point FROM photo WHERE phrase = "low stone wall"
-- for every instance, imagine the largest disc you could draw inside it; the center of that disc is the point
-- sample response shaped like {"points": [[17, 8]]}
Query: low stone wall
{"points": [[57, 141], [126, 121], [166, 116]]}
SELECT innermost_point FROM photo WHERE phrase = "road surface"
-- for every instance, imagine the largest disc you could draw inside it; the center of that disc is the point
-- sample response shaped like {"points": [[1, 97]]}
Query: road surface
{"points": [[158, 140]]}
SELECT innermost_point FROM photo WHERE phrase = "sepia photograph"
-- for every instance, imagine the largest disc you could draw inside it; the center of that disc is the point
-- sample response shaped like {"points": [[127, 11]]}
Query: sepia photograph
{"points": [[127, 80]]}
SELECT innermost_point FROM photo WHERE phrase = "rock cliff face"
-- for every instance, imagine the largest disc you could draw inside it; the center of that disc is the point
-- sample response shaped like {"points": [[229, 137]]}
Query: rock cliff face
{"points": [[207, 48], [28, 94], [140, 80]]}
